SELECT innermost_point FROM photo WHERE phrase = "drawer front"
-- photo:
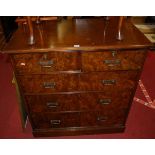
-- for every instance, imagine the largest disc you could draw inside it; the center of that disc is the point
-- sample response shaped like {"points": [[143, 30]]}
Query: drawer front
{"points": [[55, 120], [104, 101], [121, 60], [108, 80], [52, 103], [103, 118], [74, 82], [79, 119], [45, 63], [48, 83], [78, 102]]}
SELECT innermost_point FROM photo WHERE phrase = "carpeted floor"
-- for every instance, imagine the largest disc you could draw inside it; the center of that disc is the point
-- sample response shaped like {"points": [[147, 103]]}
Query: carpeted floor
{"points": [[140, 123]]}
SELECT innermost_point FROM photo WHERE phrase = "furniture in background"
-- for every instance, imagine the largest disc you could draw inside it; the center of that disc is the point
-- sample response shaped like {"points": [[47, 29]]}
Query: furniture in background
{"points": [[147, 26], [78, 77], [7, 27]]}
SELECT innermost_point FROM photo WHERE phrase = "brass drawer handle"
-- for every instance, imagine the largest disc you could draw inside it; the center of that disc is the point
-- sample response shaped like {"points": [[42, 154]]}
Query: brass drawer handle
{"points": [[101, 118], [46, 63], [49, 85], [109, 82], [105, 101], [112, 63], [55, 122], [52, 104]]}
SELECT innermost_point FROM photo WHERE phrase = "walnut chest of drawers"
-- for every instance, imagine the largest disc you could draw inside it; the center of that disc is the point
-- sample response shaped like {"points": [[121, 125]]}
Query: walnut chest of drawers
{"points": [[71, 90]]}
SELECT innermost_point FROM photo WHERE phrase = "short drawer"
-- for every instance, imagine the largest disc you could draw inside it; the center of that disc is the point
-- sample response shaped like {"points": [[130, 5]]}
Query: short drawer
{"points": [[52, 103], [103, 118], [107, 81], [45, 62], [112, 60], [48, 83], [106, 101], [55, 120]]}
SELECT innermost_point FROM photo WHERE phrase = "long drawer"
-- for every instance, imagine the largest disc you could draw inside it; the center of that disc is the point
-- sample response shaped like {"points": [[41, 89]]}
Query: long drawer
{"points": [[112, 60], [78, 102], [78, 119], [78, 82], [46, 62]]}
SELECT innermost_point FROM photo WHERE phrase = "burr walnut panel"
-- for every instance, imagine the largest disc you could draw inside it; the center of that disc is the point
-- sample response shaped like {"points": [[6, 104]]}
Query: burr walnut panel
{"points": [[112, 60], [103, 118], [113, 117], [55, 120], [48, 84], [108, 80], [45, 62], [78, 82], [52, 103], [78, 102], [104, 101]]}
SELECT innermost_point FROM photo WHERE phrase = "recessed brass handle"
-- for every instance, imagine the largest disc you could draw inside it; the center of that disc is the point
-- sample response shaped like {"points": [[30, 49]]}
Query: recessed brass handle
{"points": [[112, 63], [109, 82], [52, 104], [102, 118], [49, 85], [55, 122], [105, 101], [46, 63]]}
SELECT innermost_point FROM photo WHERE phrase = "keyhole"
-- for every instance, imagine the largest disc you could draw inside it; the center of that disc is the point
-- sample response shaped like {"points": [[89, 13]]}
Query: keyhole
{"points": [[114, 53], [45, 56]]}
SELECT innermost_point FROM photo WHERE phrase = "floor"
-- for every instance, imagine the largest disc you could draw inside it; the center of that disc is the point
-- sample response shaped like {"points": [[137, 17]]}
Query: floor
{"points": [[140, 123]]}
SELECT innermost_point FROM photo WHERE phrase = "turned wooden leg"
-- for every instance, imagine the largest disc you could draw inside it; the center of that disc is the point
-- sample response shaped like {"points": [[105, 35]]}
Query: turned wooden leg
{"points": [[119, 33], [31, 37]]}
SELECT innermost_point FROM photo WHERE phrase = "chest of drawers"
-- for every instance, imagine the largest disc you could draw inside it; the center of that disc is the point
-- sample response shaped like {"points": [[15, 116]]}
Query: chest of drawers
{"points": [[72, 91]]}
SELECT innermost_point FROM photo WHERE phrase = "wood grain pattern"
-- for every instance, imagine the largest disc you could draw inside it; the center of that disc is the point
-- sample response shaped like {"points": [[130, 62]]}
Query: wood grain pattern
{"points": [[36, 83], [30, 63], [78, 131], [65, 102], [118, 99], [43, 120], [129, 60], [77, 82], [78, 102], [94, 81], [90, 34], [103, 118], [79, 119]]}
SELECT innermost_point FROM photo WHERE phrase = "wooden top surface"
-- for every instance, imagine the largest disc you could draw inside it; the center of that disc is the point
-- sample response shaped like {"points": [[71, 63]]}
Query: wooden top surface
{"points": [[77, 34]]}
